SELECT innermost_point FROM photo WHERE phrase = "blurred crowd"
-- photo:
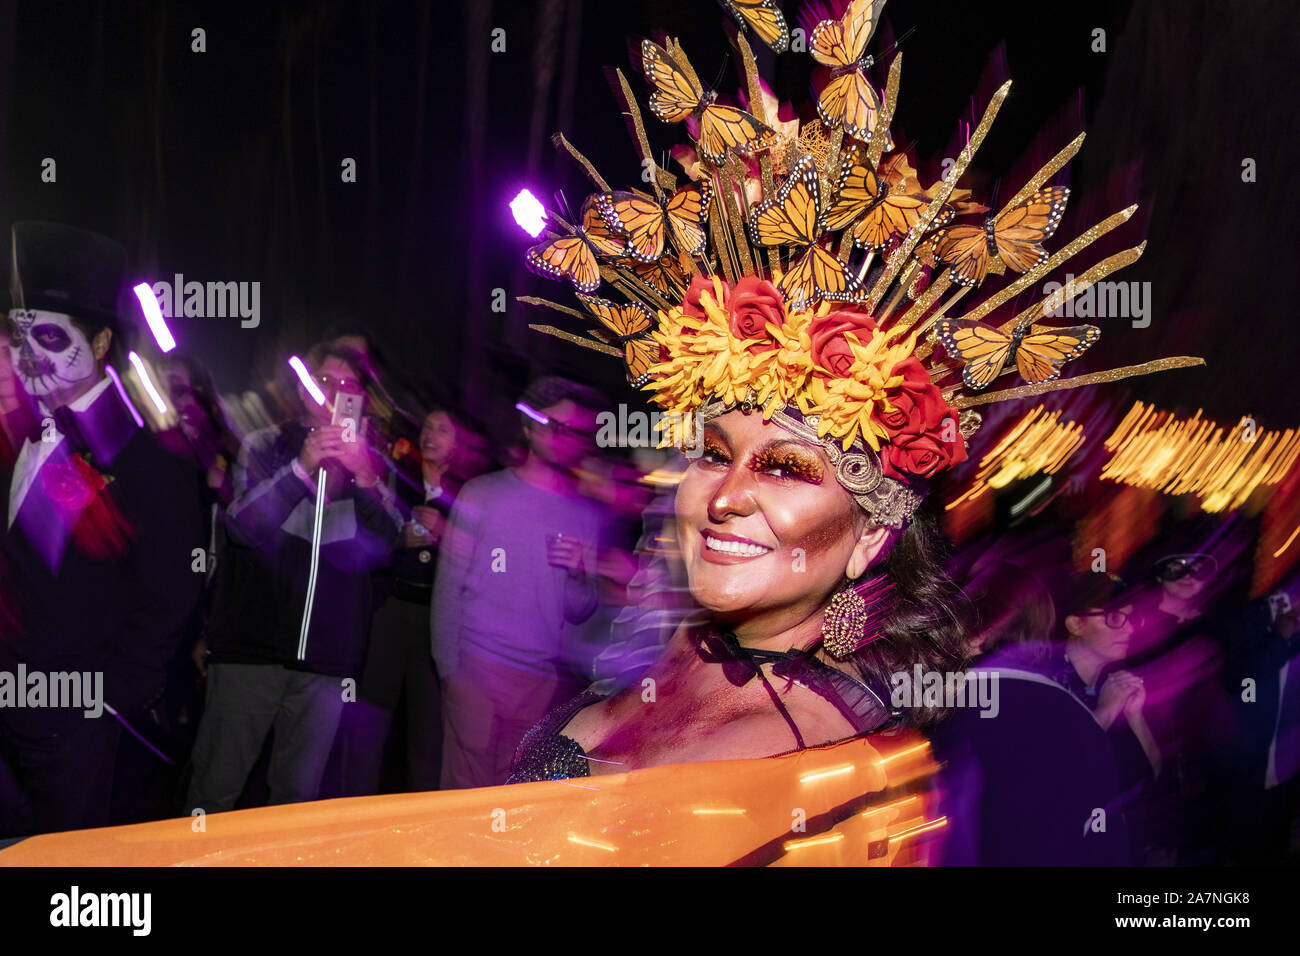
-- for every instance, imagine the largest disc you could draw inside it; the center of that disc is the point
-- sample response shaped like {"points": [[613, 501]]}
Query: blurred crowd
{"points": [[346, 597]]}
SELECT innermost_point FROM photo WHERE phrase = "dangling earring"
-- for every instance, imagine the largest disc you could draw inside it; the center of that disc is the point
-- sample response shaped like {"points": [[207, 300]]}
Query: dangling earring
{"points": [[854, 617]]}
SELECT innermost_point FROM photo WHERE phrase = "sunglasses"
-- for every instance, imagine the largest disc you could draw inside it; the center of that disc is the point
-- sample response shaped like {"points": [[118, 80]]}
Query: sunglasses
{"points": [[1115, 619], [1198, 568]]}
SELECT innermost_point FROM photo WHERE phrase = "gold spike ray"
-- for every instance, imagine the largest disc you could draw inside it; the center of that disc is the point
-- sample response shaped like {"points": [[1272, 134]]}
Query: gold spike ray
{"points": [[1109, 375], [900, 255]]}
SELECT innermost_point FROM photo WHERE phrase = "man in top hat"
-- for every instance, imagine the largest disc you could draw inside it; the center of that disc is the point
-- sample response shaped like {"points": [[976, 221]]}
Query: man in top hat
{"points": [[99, 530]]}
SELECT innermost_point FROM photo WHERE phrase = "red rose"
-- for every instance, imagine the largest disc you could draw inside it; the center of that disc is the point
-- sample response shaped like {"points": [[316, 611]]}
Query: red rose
{"points": [[830, 349], [691, 304], [920, 456], [919, 408], [752, 304], [64, 485]]}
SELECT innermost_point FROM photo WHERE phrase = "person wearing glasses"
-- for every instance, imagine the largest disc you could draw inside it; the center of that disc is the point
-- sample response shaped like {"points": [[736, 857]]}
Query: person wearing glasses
{"points": [[516, 575], [294, 598], [1100, 629]]}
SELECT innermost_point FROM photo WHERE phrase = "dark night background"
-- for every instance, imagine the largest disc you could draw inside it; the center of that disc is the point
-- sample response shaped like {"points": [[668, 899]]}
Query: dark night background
{"points": [[225, 165]]}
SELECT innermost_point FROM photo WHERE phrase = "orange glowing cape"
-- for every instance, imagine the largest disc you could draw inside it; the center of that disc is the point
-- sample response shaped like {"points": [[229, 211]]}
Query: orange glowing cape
{"points": [[863, 802]]}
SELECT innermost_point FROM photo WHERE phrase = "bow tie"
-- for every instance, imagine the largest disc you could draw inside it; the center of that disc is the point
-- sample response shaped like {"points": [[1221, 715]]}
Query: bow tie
{"points": [[740, 664]]}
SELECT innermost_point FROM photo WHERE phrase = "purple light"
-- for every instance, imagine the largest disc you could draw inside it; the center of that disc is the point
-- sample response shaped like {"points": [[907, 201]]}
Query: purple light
{"points": [[153, 315], [532, 413], [121, 390], [147, 382], [528, 213], [308, 382]]}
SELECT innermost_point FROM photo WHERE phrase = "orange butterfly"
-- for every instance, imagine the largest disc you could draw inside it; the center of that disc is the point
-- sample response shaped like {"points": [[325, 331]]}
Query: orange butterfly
{"points": [[793, 218], [849, 99], [645, 220], [987, 351], [574, 257], [631, 323], [1014, 236], [883, 212], [679, 94], [665, 275], [766, 19]]}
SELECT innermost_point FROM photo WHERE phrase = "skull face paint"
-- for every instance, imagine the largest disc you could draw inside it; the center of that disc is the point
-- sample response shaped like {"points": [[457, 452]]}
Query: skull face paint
{"points": [[49, 352]]}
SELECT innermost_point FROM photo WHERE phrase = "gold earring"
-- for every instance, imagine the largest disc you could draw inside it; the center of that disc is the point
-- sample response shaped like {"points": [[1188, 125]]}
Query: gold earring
{"points": [[852, 619]]}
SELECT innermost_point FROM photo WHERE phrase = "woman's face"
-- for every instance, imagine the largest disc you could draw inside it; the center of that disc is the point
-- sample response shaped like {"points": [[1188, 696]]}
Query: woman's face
{"points": [[764, 526], [1109, 643], [437, 438]]}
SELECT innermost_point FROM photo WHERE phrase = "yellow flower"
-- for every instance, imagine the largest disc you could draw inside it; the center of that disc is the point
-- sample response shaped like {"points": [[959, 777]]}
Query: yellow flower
{"points": [[846, 406]]}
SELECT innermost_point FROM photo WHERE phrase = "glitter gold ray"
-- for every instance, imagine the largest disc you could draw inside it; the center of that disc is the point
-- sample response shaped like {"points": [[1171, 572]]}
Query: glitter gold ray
{"points": [[638, 127], [1093, 378], [737, 219], [1057, 259], [560, 140], [586, 343], [1050, 169], [899, 256], [1075, 286], [757, 107], [880, 135]]}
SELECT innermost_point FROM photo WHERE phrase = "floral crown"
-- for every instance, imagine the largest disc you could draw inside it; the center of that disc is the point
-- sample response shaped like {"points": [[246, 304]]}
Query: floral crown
{"points": [[803, 270]]}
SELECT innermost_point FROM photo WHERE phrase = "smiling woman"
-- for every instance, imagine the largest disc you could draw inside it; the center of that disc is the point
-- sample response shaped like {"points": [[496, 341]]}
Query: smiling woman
{"points": [[758, 309], [771, 545]]}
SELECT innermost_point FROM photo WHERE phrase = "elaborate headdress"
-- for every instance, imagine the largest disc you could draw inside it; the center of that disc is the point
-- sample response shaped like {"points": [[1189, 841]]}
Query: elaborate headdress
{"points": [[803, 272]]}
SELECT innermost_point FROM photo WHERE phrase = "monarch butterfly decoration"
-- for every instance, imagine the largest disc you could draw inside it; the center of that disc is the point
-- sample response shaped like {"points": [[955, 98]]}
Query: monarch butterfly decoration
{"points": [[793, 218], [883, 212], [987, 351], [766, 19], [574, 257], [849, 100], [679, 94], [631, 323], [665, 275], [1014, 236], [645, 221]]}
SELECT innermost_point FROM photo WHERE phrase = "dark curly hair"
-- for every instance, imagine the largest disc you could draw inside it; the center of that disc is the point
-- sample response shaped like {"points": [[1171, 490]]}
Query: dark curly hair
{"points": [[930, 617]]}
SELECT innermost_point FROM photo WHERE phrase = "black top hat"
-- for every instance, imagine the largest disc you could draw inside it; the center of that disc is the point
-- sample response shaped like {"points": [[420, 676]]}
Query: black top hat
{"points": [[60, 268]]}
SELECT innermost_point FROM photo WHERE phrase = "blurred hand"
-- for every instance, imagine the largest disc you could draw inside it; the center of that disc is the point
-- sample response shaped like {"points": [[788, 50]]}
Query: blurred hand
{"points": [[323, 442], [565, 553], [355, 457], [426, 527], [1121, 691]]}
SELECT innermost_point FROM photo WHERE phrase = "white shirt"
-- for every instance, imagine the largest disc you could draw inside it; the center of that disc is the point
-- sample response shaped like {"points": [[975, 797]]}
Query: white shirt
{"points": [[34, 454]]}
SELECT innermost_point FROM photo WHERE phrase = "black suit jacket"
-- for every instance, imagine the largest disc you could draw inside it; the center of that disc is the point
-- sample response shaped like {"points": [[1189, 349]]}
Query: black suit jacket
{"points": [[122, 590], [1256, 650]]}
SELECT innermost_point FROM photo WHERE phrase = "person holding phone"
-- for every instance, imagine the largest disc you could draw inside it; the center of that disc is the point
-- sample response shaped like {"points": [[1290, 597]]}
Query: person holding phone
{"points": [[309, 523]]}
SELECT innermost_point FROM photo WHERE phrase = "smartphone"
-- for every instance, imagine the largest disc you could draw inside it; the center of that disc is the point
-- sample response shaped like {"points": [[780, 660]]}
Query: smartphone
{"points": [[347, 408]]}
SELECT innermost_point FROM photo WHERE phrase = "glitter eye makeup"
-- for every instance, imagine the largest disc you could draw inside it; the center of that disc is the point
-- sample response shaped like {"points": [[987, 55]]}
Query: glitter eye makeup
{"points": [[714, 453], [794, 464]]}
